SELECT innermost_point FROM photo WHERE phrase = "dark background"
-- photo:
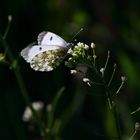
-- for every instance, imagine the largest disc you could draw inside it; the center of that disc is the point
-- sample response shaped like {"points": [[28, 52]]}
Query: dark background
{"points": [[111, 24]]}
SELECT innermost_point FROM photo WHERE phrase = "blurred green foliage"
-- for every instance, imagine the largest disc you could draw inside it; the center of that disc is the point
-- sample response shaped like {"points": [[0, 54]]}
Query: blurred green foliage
{"points": [[111, 25]]}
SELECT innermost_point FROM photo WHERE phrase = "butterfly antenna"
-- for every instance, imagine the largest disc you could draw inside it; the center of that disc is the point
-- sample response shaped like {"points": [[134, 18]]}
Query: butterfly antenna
{"points": [[74, 37], [77, 33]]}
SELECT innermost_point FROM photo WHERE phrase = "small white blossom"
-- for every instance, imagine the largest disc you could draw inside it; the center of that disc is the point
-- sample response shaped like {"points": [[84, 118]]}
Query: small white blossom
{"points": [[86, 80], [77, 46], [70, 51], [94, 56], [86, 47], [92, 45], [9, 18], [123, 78], [73, 71], [80, 44], [70, 59], [75, 55], [102, 70], [37, 106], [88, 83], [49, 68]]}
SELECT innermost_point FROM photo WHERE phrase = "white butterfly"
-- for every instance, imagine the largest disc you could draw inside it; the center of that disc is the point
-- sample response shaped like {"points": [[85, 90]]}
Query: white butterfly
{"points": [[47, 54]]}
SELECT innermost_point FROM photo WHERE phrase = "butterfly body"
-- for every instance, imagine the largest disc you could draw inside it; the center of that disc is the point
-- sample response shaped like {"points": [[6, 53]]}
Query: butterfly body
{"points": [[47, 54]]}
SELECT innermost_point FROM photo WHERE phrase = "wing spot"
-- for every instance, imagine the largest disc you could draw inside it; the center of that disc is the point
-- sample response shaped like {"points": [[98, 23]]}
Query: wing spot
{"points": [[40, 48], [51, 38]]}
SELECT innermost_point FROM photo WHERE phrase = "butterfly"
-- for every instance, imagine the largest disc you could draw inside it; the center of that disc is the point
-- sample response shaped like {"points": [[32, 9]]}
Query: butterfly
{"points": [[47, 54]]}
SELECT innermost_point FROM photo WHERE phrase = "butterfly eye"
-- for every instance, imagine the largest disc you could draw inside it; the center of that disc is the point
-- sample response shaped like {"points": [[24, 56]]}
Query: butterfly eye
{"points": [[51, 38], [40, 48]]}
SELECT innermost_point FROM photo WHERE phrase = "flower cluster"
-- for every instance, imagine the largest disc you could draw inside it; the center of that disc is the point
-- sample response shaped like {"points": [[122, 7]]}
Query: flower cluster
{"points": [[81, 53], [37, 106]]}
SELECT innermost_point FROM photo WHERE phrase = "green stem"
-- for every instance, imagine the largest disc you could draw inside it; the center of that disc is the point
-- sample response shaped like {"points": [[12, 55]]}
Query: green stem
{"points": [[22, 87], [114, 110], [7, 29], [94, 57], [6, 33], [114, 70], [52, 109], [135, 111], [133, 135], [107, 59], [110, 102], [120, 87]]}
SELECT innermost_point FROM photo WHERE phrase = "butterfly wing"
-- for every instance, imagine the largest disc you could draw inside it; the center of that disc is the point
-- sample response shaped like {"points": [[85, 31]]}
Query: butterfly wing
{"points": [[46, 60], [25, 51], [40, 37], [49, 38], [43, 57], [29, 53], [48, 54]]}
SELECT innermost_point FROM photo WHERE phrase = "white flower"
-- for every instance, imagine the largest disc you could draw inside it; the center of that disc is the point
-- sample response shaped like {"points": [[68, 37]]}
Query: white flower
{"points": [[49, 68], [75, 55], [70, 51], [70, 59], [9, 18], [94, 56], [37, 106], [92, 45], [86, 80], [88, 83], [73, 71], [86, 47], [123, 78], [80, 44], [102, 70], [76, 47]]}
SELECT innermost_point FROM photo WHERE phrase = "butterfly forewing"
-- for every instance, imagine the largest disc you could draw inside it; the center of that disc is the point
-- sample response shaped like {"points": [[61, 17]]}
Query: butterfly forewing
{"points": [[40, 37], [49, 38]]}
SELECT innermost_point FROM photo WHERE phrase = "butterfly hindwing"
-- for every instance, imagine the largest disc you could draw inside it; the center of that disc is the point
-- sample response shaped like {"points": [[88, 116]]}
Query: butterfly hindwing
{"points": [[47, 60], [24, 53]]}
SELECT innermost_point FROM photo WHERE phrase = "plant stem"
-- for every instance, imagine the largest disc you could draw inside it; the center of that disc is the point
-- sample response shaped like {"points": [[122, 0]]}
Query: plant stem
{"points": [[110, 102], [120, 87], [133, 135], [135, 111], [112, 75], [106, 63], [22, 87], [51, 110]]}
